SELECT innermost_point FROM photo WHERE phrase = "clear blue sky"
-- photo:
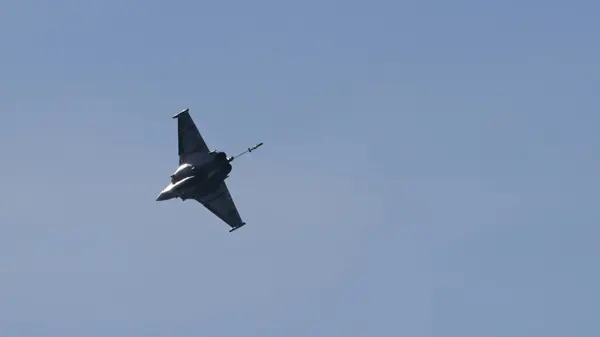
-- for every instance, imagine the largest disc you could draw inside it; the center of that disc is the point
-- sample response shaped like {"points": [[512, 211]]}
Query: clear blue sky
{"points": [[429, 168]]}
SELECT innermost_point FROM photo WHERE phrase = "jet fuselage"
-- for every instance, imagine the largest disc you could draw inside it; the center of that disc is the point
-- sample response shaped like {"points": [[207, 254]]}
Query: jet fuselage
{"points": [[193, 180]]}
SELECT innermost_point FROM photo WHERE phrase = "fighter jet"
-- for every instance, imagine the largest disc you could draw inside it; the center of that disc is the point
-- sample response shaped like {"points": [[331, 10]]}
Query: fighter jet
{"points": [[201, 173]]}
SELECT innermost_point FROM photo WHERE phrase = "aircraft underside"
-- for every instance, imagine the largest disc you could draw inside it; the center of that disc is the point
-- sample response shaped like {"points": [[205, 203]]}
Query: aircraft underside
{"points": [[197, 182], [200, 186]]}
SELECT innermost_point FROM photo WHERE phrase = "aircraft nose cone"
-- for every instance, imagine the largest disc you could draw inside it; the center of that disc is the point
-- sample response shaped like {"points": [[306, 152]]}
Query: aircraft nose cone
{"points": [[162, 196]]}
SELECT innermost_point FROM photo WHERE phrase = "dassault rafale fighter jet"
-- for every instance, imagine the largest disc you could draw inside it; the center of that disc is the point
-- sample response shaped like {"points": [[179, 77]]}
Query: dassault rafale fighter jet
{"points": [[201, 173]]}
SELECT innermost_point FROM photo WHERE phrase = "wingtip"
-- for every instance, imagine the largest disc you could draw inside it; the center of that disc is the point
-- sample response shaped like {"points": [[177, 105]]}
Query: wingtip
{"points": [[238, 227], [181, 113]]}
